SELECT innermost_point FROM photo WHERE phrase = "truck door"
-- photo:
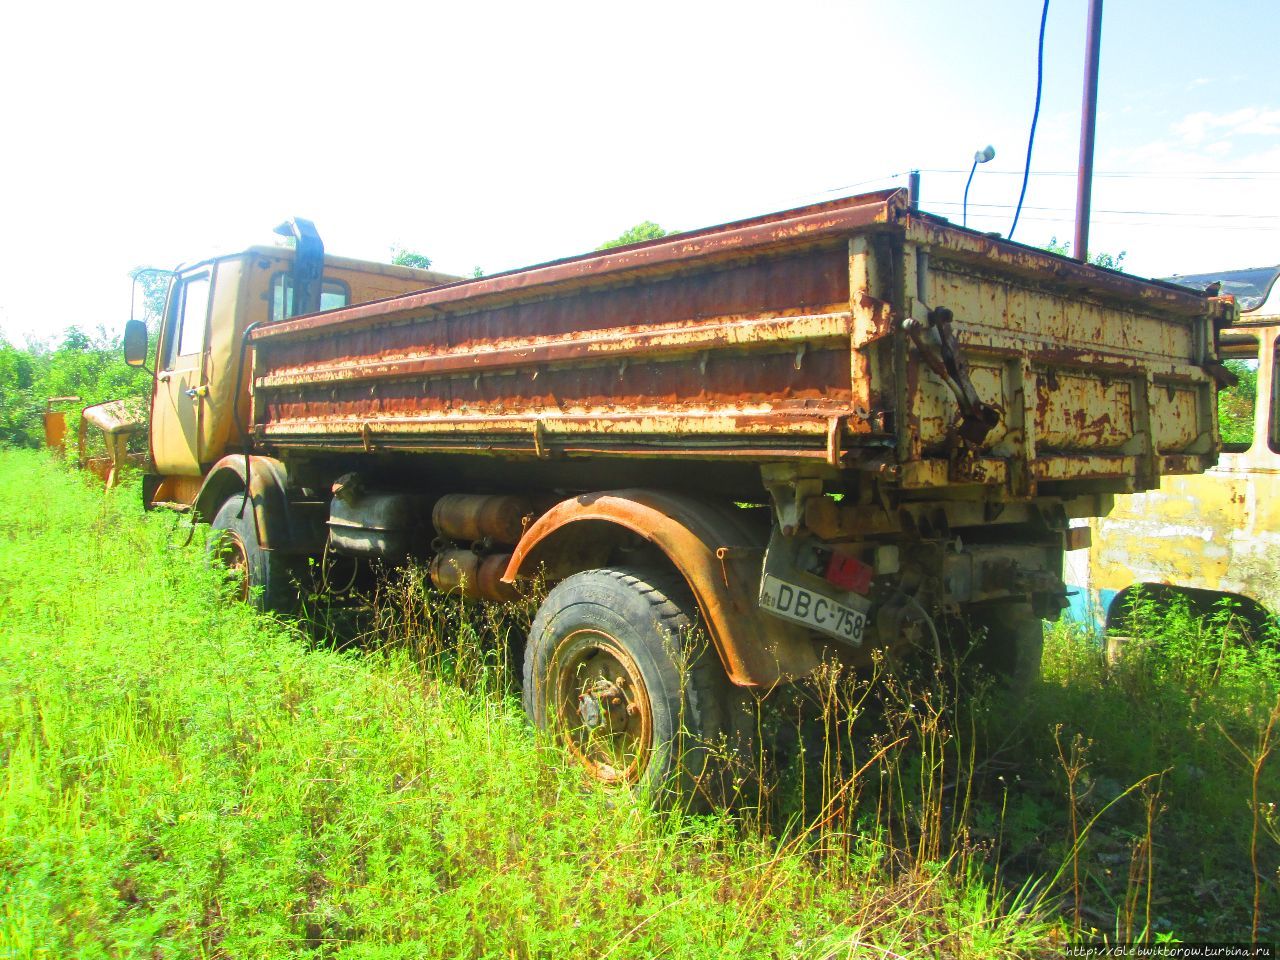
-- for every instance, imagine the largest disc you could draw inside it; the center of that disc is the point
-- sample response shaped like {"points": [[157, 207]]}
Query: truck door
{"points": [[176, 406]]}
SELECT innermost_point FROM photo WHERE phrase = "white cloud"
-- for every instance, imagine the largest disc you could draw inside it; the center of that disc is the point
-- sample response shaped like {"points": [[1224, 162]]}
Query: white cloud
{"points": [[500, 133], [1246, 121], [1265, 124]]}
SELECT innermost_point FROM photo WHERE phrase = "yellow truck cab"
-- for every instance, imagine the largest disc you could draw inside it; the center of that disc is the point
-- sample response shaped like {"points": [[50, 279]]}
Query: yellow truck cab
{"points": [[201, 389], [1213, 535]]}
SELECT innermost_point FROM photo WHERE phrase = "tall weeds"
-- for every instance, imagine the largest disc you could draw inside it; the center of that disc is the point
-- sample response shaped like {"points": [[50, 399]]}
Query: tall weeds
{"points": [[1179, 772], [899, 773], [184, 778], [1255, 757]]}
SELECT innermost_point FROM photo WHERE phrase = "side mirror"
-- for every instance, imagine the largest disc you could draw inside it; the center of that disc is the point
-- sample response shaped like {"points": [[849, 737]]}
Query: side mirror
{"points": [[135, 343]]}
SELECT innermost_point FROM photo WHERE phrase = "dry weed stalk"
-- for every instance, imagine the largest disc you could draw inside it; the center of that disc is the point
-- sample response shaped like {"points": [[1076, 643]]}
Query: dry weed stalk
{"points": [[1255, 759], [1141, 877], [1074, 762]]}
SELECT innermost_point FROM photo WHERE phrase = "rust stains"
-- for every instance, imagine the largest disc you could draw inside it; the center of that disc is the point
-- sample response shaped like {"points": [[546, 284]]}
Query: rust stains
{"points": [[714, 549], [615, 343], [794, 336], [773, 233]]}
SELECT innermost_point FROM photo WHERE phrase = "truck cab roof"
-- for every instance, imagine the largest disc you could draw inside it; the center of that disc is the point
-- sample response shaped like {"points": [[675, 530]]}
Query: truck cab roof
{"points": [[429, 278]]}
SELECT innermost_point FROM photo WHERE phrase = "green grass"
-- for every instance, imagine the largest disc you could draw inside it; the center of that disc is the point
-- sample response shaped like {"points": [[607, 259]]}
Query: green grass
{"points": [[183, 778], [1189, 703]]}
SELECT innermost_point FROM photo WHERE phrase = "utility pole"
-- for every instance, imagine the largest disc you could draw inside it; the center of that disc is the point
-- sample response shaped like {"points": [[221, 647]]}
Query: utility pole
{"points": [[1088, 126]]}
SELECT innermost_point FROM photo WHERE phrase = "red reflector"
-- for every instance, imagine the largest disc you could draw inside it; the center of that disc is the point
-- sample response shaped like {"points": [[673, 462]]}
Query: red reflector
{"points": [[849, 573]]}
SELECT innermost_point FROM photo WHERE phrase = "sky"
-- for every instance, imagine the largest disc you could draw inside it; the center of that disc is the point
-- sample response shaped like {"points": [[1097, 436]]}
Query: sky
{"points": [[497, 135]]}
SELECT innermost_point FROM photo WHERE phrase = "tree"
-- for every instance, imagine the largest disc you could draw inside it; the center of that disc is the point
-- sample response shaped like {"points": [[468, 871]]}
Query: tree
{"points": [[19, 412], [1108, 260], [82, 363], [1236, 404], [648, 230], [75, 339], [86, 364], [152, 289], [403, 257]]}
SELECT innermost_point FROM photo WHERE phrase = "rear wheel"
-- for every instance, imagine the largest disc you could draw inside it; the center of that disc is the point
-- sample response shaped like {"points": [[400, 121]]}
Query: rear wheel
{"points": [[616, 671], [1013, 646], [259, 576]]}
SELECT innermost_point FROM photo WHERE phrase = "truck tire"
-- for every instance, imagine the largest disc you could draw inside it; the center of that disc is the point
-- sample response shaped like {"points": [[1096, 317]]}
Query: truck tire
{"points": [[263, 578], [615, 671], [1014, 644]]}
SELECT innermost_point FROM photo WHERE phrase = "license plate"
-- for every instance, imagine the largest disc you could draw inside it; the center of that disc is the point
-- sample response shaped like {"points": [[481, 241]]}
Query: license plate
{"points": [[802, 605]]}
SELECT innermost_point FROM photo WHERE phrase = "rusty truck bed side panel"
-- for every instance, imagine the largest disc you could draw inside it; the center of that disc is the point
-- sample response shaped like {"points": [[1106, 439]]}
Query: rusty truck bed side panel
{"points": [[1088, 384], [1218, 533], [770, 339]]}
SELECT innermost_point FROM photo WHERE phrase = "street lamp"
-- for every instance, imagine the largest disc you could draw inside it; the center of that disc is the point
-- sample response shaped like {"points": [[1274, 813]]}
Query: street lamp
{"points": [[981, 156]]}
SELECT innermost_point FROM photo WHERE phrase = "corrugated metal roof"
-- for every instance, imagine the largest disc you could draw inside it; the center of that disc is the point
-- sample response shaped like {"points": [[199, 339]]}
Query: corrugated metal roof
{"points": [[1250, 287]]}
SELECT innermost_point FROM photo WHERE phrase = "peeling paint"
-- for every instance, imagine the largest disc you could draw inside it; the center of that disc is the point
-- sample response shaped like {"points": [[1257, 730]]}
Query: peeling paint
{"points": [[1218, 532], [774, 339]]}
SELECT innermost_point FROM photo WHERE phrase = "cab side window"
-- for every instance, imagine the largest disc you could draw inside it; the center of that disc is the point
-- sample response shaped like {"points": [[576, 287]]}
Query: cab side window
{"points": [[333, 294], [190, 306]]}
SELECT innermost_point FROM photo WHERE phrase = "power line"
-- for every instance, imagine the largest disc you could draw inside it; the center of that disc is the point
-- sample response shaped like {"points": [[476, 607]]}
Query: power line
{"points": [[1240, 176], [1035, 118], [1125, 174], [1154, 224], [863, 183], [1140, 213]]}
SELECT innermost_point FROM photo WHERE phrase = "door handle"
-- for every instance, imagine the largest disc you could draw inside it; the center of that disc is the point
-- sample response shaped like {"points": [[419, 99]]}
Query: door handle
{"points": [[164, 376], [196, 393]]}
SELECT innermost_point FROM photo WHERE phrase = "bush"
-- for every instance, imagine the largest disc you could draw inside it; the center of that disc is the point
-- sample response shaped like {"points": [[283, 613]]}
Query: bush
{"points": [[89, 367]]}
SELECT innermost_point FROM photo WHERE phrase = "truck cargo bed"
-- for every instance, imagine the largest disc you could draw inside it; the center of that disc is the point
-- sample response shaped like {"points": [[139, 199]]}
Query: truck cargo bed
{"points": [[816, 334]]}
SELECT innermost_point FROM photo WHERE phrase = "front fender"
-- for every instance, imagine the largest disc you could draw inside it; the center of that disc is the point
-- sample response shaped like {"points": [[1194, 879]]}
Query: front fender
{"points": [[718, 554], [280, 526]]}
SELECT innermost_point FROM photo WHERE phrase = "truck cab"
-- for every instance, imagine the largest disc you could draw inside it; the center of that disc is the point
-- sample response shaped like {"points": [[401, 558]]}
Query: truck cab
{"points": [[200, 399]]}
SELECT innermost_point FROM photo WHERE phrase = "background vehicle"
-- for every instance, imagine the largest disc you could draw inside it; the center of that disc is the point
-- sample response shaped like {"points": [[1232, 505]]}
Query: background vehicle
{"points": [[817, 434], [1212, 536], [104, 436]]}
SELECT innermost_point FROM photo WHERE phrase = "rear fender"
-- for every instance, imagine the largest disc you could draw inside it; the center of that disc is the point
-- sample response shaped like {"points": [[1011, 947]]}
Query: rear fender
{"points": [[715, 551]]}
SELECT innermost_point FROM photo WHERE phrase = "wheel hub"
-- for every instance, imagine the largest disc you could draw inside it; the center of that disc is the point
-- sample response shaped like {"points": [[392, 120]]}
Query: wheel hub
{"points": [[604, 703], [602, 706]]}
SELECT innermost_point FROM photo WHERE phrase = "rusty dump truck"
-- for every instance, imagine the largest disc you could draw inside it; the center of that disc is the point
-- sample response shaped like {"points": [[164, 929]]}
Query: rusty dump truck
{"points": [[822, 433]]}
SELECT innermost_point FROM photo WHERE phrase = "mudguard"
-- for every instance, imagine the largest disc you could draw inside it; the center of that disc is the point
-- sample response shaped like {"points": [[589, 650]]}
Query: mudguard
{"points": [[281, 525], [717, 553]]}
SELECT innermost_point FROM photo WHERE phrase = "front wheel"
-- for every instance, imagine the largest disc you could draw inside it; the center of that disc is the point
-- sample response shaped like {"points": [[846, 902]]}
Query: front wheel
{"points": [[262, 577], [616, 672]]}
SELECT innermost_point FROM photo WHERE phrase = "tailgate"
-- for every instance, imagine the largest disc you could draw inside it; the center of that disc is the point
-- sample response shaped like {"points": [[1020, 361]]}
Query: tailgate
{"points": [[1097, 380]]}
